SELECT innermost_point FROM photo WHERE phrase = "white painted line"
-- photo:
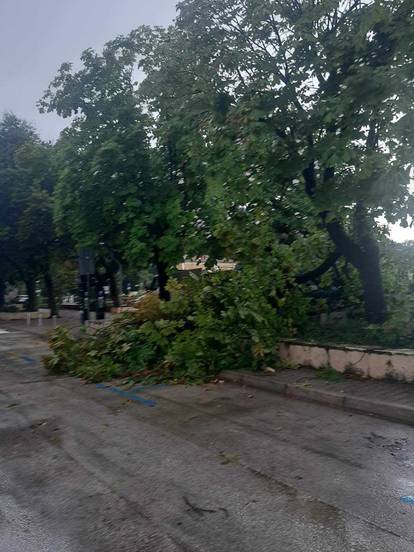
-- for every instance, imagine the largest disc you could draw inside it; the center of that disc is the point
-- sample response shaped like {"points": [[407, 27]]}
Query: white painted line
{"points": [[3, 331]]}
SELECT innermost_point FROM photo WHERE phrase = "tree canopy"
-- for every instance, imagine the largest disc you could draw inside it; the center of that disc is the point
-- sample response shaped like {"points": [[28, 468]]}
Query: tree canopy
{"points": [[28, 243], [276, 133], [317, 98]]}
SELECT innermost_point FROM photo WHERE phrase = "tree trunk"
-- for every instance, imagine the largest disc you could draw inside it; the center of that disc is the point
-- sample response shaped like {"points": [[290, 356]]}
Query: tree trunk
{"points": [[162, 276], [374, 299], [113, 289], [50, 293], [2, 293], [363, 253], [30, 284], [162, 281], [369, 268], [364, 256]]}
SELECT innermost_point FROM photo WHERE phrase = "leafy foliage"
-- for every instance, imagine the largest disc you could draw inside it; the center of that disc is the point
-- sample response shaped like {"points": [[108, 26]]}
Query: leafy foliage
{"points": [[28, 243], [272, 133], [315, 98], [114, 192], [211, 323]]}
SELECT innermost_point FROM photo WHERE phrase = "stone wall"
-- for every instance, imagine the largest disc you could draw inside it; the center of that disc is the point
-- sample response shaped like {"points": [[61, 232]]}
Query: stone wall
{"points": [[397, 364]]}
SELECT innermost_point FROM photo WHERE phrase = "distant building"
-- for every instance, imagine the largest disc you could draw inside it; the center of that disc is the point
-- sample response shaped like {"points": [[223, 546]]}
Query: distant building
{"points": [[199, 264]]}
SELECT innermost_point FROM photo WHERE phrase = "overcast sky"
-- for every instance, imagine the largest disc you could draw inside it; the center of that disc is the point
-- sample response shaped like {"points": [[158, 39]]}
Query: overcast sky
{"points": [[36, 36]]}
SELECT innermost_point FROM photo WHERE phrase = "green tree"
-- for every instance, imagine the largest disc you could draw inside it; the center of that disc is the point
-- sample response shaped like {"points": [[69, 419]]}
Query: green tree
{"points": [[13, 134], [27, 239], [38, 247], [317, 94], [114, 192], [26, 181]]}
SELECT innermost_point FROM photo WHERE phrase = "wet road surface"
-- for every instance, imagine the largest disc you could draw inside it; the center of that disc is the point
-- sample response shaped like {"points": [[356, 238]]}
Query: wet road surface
{"points": [[215, 468]]}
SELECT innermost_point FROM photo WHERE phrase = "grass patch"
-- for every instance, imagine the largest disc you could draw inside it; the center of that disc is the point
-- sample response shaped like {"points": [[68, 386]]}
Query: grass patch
{"points": [[329, 374]]}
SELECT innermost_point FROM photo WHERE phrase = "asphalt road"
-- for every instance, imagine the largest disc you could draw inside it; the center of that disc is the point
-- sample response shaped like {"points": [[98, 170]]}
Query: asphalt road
{"points": [[215, 468]]}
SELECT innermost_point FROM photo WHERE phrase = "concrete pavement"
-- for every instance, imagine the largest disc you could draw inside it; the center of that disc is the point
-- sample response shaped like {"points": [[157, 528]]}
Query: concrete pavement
{"points": [[209, 469], [392, 400]]}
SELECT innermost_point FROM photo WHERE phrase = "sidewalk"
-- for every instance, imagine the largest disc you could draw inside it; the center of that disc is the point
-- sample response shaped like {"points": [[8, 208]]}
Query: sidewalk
{"points": [[387, 399], [68, 318]]}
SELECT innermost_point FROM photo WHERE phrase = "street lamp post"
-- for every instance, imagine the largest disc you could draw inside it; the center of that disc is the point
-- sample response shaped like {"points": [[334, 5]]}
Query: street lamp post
{"points": [[86, 269]]}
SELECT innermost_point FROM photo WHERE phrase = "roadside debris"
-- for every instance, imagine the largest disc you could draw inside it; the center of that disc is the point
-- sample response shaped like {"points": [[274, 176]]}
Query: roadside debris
{"points": [[229, 458]]}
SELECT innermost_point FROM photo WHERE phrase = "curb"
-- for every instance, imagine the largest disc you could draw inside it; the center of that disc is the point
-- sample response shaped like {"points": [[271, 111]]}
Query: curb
{"points": [[389, 411]]}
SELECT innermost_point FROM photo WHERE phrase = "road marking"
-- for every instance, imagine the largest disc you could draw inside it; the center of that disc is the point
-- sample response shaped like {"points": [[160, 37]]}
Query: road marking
{"points": [[27, 358], [126, 395]]}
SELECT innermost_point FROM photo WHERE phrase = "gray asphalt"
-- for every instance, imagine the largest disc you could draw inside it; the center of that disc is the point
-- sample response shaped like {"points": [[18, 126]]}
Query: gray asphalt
{"points": [[215, 468]]}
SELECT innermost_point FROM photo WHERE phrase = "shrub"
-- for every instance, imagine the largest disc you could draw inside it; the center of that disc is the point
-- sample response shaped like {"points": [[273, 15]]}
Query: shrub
{"points": [[222, 320], [64, 348]]}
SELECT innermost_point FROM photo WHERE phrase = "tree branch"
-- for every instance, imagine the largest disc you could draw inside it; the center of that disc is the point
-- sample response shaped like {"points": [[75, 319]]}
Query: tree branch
{"points": [[328, 263], [348, 248]]}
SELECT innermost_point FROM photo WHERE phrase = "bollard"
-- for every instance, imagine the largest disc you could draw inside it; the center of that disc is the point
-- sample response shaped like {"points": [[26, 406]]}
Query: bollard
{"points": [[39, 319], [28, 318], [54, 317]]}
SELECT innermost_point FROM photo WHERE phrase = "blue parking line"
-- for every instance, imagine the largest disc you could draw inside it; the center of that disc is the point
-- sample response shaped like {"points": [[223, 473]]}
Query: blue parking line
{"points": [[27, 359], [127, 395]]}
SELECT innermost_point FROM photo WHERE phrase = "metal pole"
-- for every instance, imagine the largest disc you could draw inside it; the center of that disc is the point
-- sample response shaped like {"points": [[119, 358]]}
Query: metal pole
{"points": [[88, 306]]}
